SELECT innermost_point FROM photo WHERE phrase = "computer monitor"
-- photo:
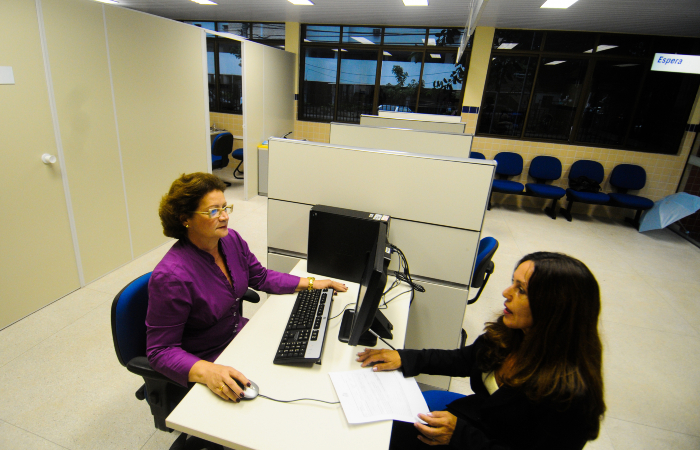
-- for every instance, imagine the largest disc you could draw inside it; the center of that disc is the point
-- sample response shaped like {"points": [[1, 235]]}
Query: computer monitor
{"points": [[356, 324]]}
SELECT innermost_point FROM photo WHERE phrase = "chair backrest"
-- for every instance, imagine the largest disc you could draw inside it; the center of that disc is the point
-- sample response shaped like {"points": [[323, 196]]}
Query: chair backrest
{"points": [[628, 176], [222, 145], [585, 167], [477, 155], [509, 163], [487, 247], [545, 168], [129, 319]]}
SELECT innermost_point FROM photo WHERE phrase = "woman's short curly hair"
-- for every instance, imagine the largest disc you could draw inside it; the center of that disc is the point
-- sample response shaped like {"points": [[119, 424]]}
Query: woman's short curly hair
{"points": [[183, 197]]}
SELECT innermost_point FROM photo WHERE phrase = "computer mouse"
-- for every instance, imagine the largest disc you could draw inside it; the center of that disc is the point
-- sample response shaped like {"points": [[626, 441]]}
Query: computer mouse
{"points": [[250, 392]]}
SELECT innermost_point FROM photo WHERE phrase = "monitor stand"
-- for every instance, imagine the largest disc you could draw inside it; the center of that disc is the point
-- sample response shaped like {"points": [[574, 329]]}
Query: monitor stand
{"points": [[380, 325]]}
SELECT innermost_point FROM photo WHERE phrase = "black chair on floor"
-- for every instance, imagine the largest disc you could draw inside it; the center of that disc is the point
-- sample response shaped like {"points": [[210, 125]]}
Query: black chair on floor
{"points": [[129, 334], [583, 171], [483, 268], [509, 165], [221, 147], [626, 177], [238, 154], [544, 169]]}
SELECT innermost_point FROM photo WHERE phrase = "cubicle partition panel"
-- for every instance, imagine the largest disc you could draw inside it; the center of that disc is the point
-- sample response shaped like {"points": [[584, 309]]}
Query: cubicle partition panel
{"points": [[401, 139], [419, 116], [437, 224], [413, 124]]}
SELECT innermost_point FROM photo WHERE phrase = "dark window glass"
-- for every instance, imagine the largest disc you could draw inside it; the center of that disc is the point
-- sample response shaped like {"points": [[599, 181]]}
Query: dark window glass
{"points": [[663, 111], [230, 84], [609, 104], [506, 95], [624, 44], [555, 98], [321, 33], [406, 36], [237, 28], [362, 35], [442, 85], [682, 46], [559, 41], [447, 37], [358, 73], [211, 75], [399, 80], [517, 40], [320, 74], [205, 25]]}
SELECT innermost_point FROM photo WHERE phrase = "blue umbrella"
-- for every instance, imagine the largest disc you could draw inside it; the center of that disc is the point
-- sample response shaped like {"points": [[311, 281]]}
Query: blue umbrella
{"points": [[668, 210]]}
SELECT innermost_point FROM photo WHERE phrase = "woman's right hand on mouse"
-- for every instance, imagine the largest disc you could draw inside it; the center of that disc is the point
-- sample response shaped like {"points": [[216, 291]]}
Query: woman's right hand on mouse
{"points": [[222, 380], [383, 359]]}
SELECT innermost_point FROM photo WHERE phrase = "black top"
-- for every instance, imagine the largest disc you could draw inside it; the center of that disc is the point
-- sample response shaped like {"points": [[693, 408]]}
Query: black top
{"points": [[505, 420]]}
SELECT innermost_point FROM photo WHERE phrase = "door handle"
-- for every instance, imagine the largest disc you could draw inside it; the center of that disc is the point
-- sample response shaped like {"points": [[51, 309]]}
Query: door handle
{"points": [[48, 159]]}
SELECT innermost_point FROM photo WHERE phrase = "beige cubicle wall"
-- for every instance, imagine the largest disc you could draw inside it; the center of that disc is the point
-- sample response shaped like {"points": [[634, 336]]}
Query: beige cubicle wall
{"points": [[413, 124], [440, 243], [119, 98], [268, 102], [400, 139], [419, 116]]}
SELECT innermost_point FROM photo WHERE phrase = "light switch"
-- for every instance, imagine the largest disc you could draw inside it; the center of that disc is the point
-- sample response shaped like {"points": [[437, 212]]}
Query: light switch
{"points": [[6, 75]]}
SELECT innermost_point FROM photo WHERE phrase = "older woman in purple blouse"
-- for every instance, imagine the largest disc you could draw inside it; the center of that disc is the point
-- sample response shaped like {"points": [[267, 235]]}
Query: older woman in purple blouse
{"points": [[194, 292]]}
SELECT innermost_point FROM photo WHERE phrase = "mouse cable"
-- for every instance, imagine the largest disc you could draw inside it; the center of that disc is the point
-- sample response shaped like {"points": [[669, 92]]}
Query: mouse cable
{"points": [[342, 311], [296, 400]]}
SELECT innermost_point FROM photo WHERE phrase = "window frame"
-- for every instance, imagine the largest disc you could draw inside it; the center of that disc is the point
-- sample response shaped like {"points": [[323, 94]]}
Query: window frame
{"points": [[379, 48]]}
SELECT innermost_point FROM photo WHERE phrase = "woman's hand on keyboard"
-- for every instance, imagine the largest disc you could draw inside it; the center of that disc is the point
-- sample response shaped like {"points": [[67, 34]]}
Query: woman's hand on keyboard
{"points": [[380, 360], [335, 285]]}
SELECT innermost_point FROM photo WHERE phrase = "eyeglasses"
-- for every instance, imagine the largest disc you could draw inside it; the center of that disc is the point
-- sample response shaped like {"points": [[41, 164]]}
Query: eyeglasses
{"points": [[213, 213]]}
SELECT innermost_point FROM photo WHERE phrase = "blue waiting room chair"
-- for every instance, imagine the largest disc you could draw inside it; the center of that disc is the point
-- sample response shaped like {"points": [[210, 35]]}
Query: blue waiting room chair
{"points": [[476, 155], [590, 169], [129, 335], [221, 147], [483, 268], [629, 177], [509, 165], [238, 154], [544, 169]]}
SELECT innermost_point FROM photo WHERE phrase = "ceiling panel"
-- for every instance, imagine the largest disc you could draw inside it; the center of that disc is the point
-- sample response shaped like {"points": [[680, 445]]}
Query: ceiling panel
{"points": [[678, 18]]}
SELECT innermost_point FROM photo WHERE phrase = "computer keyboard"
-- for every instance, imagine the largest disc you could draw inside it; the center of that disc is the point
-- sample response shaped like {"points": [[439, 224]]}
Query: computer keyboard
{"points": [[304, 336]]}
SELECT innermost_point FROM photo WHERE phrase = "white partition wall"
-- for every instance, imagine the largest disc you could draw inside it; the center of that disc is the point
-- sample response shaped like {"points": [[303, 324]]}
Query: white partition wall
{"points": [[268, 102], [439, 238], [415, 141], [413, 124], [419, 116]]}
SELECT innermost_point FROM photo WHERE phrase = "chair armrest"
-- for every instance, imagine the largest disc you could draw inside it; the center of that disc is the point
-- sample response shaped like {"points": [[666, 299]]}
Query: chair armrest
{"points": [[251, 296], [140, 366]]}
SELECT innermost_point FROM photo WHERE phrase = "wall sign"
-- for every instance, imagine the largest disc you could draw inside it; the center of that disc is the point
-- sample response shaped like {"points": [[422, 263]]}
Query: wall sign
{"points": [[6, 75], [669, 62]]}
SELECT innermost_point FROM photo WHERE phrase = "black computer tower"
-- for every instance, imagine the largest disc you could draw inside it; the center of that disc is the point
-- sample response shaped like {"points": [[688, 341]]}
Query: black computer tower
{"points": [[340, 239]]}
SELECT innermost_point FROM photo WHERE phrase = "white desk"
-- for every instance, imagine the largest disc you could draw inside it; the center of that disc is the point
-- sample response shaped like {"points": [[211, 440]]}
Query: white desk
{"points": [[263, 424]]}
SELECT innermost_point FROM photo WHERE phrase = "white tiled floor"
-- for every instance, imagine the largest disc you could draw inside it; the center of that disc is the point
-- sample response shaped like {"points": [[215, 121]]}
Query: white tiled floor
{"points": [[61, 386]]}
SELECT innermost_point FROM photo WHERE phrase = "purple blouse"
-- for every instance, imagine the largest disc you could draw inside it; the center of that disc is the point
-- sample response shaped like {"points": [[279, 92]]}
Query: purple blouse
{"points": [[193, 311]]}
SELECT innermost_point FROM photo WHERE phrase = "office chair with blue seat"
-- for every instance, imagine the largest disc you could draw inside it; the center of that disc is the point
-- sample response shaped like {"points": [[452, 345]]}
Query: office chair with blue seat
{"points": [[509, 165], [544, 169], [129, 335], [221, 147], [476, 155], [238, 154], [483, 268], [627, 177], [590, 169]]}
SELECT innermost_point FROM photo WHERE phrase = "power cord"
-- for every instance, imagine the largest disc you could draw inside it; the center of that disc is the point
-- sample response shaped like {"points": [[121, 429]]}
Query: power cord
{"points": [[405, 276]]}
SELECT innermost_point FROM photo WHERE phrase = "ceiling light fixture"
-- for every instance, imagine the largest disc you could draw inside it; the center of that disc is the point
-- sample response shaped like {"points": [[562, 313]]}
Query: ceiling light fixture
{"points": [[362, 40], [387, 54], [109, 2], [554, 63], [204, 2], [558, 4], [435, 55], [507, 46], [342, 50], [601, 48], [301, 2], [415, 2]]}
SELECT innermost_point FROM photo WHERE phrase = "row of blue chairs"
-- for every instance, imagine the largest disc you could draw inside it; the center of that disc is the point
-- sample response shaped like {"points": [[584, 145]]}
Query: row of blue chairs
{"points": [[544, 169]]}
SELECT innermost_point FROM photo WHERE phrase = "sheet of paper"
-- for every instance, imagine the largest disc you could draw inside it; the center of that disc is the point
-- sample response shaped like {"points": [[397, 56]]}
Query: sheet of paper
{"points": [[368, 396]]}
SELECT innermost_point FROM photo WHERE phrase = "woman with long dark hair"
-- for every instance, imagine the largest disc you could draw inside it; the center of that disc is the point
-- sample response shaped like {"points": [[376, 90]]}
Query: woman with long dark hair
{"points": [[536, 372]]}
